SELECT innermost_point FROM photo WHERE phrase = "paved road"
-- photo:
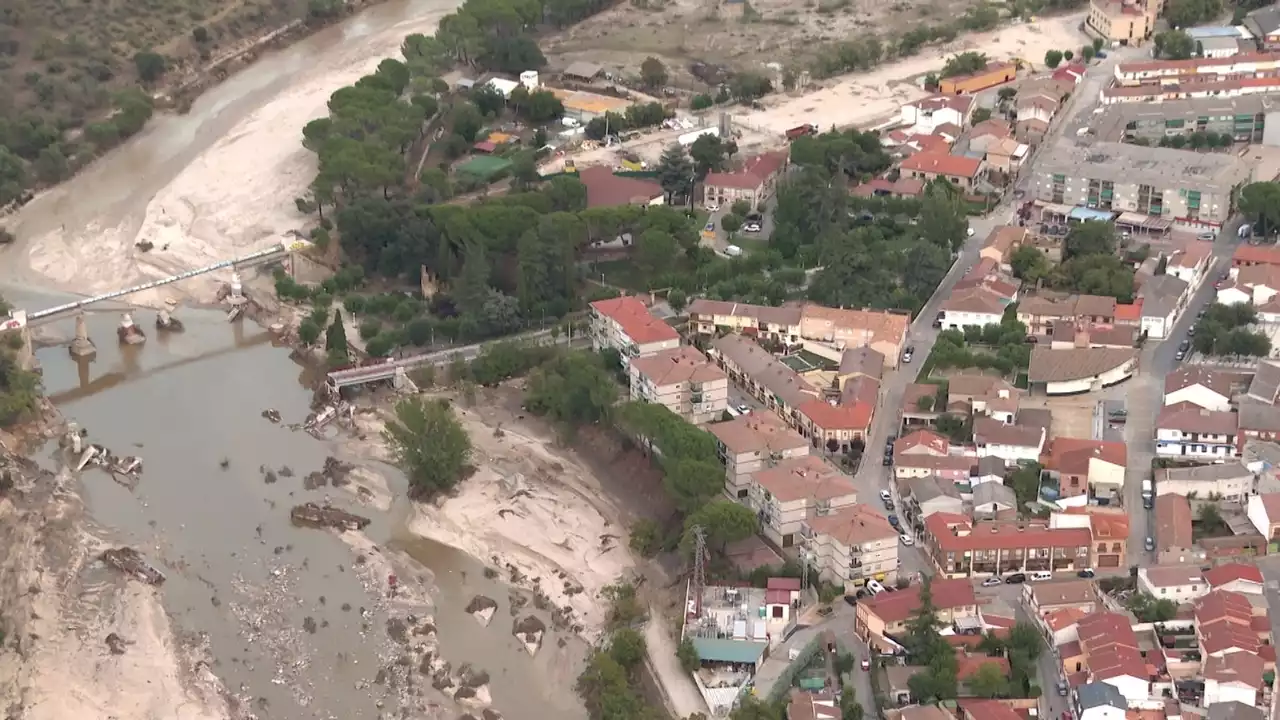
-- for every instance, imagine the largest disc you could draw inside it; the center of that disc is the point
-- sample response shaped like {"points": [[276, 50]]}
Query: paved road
{"points": [[1144, 394]]}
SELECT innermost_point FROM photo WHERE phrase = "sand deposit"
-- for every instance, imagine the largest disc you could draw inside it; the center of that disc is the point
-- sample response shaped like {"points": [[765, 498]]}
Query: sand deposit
{"points": [[235, 197], [60, 606]]}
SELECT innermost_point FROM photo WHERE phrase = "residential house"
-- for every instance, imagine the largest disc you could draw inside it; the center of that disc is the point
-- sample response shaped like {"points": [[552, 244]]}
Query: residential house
{"points": [[1190, 263], [1264, 513], [1179, 583], [786, 495], [1012, 442], [1264, 24], [859, 362], [1247, 255], [1234, 678], [1265, 385], [750, 443], [1006, 156], [960, 548], [1230, 481], [852, 546], [1224, 623], [682, 380], [1258, 421], [928, 495], [1040, 314], [754, 182], [1111, 655], [924, 116], [1100, 701], [986, 132], [1173, 532], [1001, 243], [1253, 284], [975, 306], [882, 187], [1235, 577], [804, 705], [959, 170], [921, 405], [1069, 335], [1233, 710], [985, 395], [1036, 106], [1070, 74], [1200, 386], [888, 612], [774, 324], [1185, 430], [1110, 527], [1082, 467], [625, 324], [835, 427], [765, 377], [1031, 131], [956, 468], [1163, 297], [992, 500], [1051, 596], [989, 470], [881, 330]]}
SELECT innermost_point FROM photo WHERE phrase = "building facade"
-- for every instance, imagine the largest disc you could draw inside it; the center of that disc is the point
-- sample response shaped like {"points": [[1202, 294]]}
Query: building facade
{"points": [[682, 380]]}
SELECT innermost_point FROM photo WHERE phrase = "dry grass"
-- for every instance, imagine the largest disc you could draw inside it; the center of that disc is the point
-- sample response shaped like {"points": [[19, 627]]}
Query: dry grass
{"points": [[61, 59]]}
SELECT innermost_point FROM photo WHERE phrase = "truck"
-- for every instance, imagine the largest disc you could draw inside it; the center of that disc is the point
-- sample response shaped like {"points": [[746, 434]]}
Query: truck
{"points": [[801, 131]]}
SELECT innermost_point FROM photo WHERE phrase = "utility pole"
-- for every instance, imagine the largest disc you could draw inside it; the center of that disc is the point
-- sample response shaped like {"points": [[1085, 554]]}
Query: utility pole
{"points": [[699, 582]]}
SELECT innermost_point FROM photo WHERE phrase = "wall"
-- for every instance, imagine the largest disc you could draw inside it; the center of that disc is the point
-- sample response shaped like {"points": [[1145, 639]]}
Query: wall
{"points": [[1200, 396]]}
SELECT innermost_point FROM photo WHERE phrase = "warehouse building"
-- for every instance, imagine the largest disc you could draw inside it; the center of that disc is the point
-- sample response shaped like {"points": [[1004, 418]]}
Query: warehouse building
{"points": [[1189, 188]]}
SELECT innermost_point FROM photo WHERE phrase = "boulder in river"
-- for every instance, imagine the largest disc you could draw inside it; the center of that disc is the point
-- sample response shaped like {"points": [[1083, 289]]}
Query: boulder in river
{"points": [[482, 608], [529, 630]]}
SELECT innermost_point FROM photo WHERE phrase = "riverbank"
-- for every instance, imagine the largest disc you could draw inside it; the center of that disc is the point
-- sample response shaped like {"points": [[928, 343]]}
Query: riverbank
{"points": [[533, 512], [81, 640]]}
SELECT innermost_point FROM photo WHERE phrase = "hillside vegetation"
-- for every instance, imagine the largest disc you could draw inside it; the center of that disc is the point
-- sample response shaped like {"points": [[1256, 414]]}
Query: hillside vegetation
{"points": [[76, 75]]}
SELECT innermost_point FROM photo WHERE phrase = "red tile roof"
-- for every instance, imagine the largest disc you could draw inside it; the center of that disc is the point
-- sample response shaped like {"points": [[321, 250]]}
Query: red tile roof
{"points": [[1129, 311], [1004, 536], [1223, 574], [931, 441], [968, 664], [848, 416], [897, 606], [1188, 417], [754, 173], [1257, 254], [1173, 521], [635, 320], [1110, 647], [1240, 667], [1072, 455], [943, 164], [783, 583], [1194, 65]]}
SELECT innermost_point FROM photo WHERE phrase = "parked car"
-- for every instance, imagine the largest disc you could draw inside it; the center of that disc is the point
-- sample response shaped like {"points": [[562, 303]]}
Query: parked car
{"points": [[992, 581], [1016, 579], [1086, 573], [744, 408], [874, 587], [908, 354], [888, 505], [885, 496], [751, 227], [1148, 503], [893, 520], [1150, 544], [1185, 345], [866, 664], [1207, 236], [907, 540], [1178, 356], [851, 600]]}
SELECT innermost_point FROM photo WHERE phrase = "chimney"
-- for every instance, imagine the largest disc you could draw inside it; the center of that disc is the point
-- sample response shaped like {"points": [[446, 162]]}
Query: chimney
{"points": [[1082, 336]]}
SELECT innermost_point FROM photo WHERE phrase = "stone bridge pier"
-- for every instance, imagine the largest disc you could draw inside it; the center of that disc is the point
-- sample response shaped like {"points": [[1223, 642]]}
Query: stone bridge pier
{"points": [[81, 345]]}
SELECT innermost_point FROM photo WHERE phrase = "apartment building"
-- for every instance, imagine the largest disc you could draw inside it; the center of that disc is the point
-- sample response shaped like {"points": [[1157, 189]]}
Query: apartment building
{"points": [[682, 380], [1156, 72], [764, 376], [754, 182], [852, 546], [1246, 118], [883, 331], [1190, 188], [959, 547], [625, 324], [1179, 583], [1120, 23], [751, 443], [786, 495]]}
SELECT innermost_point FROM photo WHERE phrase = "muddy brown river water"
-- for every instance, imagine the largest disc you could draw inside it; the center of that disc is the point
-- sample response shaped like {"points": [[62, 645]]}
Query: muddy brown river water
{"points": [[238, 570]]}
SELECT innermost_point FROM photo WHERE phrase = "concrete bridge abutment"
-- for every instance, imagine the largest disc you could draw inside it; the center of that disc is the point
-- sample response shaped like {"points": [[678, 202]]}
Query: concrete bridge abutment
{"points": [[81, 346]]}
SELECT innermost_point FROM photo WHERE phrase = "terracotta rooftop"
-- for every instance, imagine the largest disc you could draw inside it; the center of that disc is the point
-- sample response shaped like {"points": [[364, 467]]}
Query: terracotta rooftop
{"points": [[1075, 591], [1237, 667], [1189, 418], [960, 103], [989, 431], [678, 365], [1072, 456], [845, 416], [1229, 572], [854, 525], [1190, 375], [942, 164], [922, 441], [1173, 522], [757, 432], [807, 477], [1004, 536], [1110, 646], [604, 189], [754, 173], [635, 320], [898, 606], [1165, 576]]}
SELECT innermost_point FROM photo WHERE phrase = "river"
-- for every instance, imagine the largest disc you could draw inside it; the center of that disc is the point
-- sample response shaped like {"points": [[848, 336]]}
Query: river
{"points": [[238, 570]]}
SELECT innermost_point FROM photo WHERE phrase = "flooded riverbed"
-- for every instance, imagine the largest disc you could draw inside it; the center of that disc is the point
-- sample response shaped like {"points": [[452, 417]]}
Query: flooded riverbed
{"points": [[281, 605]]}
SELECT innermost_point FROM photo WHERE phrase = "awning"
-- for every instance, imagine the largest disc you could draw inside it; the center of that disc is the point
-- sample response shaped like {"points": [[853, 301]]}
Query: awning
{"points": [[1138, 221], [1082, 214], [1055, 208]]}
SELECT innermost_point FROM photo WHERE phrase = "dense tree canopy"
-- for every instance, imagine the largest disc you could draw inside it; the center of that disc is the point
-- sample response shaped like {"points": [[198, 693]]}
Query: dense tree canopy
{"points": [[1228, 330], [429, 444], [1260, 202]]}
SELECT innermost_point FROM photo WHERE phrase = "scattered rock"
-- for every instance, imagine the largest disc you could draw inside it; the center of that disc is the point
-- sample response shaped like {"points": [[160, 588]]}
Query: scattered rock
{"points": [[271, 414], [482, 608], [269, 478], [313, 515], [397, 630], [130, 562], [334, 472], [529, 631], [115, 644], [309, 624]]}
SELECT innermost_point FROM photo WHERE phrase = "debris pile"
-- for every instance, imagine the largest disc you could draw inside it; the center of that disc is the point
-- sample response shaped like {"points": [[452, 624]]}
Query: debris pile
{"points": [[115, 644], [334, 472], [482, 608], [529, 631], [130, 562], [322, 516], [129, 466], [271, 414]]}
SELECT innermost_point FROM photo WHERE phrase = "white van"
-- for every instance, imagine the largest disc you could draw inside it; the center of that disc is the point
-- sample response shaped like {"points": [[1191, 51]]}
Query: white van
{"points": [[874, 587], [1040, 575]]}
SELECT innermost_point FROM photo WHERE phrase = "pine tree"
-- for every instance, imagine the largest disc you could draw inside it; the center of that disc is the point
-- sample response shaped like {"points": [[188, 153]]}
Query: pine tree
{"points": [[335, 341]]}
